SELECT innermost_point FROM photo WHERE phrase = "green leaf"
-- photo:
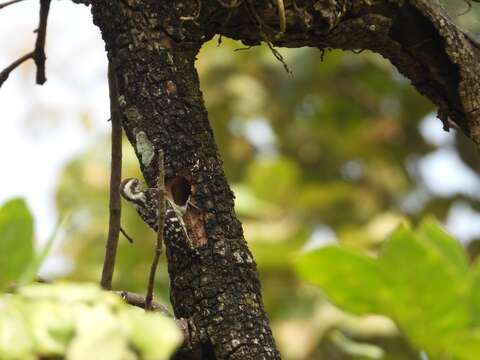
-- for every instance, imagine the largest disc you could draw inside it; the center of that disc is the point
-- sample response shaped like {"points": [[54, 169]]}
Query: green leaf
{"points": [[16, 342], [352, 281], [450, 249], [475, 294], [31, 272], [153, 335], [80, 321], [16, 240], [421, 280], [430, 294], [52, 326], [98, 335], [66, 292]]}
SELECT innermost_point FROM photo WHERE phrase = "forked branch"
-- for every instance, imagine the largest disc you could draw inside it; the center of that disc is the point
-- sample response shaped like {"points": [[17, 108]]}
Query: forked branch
{"points": [[38, 54]]}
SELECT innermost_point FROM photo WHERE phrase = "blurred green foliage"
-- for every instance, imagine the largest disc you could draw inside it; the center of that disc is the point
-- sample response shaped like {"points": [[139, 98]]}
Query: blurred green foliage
{"points": [[329, 154], [19, 261], [76, 322], [421, 279], [65, 320]]}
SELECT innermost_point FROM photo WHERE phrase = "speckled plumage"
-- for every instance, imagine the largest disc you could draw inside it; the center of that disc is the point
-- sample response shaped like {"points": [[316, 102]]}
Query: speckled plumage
{"points": [[145, 201]]}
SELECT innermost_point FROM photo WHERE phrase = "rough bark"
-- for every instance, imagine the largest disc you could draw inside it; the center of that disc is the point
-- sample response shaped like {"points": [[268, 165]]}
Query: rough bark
{"points": [[417, 36], [153, 44], [214, 285]]}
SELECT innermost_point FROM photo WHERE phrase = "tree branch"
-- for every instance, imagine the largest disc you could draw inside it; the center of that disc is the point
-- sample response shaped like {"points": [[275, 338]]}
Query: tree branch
{"points": [[39, 51], [139, 301], [6, 72], [38, 54], [8, 3], [128, 237], [417, 36], [115, 204]]}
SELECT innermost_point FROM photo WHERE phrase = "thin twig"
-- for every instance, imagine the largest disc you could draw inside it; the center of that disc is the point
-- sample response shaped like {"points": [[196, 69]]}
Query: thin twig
{"points": [[138, 300], [38, 54], [261, 25], [5, 4], [161, 224], [128, 237], [115, 179], [6, 72]]}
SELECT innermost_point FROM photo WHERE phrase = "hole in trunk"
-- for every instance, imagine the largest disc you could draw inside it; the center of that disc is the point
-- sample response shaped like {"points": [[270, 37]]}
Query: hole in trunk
{"points": [[180, 190]]}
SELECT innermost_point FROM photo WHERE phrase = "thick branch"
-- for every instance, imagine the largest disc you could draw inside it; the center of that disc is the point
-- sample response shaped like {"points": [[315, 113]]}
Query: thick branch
{"points": [[417, 36]]}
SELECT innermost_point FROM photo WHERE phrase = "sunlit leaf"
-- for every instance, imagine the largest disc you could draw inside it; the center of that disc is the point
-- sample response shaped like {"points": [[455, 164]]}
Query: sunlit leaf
{"points": [[52, 326], [16, 241], [98, 334], [446, 246], [31, 272], [430, 300], [421, 281], [16, 342], [80, 321], [152, 334], [350, 280]]}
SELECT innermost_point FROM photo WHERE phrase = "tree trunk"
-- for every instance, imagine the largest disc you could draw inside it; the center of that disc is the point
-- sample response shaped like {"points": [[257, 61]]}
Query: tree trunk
{"points": [[152, 45]]}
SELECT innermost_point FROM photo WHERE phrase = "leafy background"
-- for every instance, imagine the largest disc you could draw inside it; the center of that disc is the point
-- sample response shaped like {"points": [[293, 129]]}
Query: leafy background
{"points": [[339, 153]]}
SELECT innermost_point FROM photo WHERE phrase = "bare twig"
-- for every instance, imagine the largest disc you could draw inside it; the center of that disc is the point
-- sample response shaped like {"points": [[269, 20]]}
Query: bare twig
{"points": [[128, 237], [277, 55], [139, 301], [161, 224], [6, 72], [115, 179], [261, 26], [38, 54], [5, 4]]}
